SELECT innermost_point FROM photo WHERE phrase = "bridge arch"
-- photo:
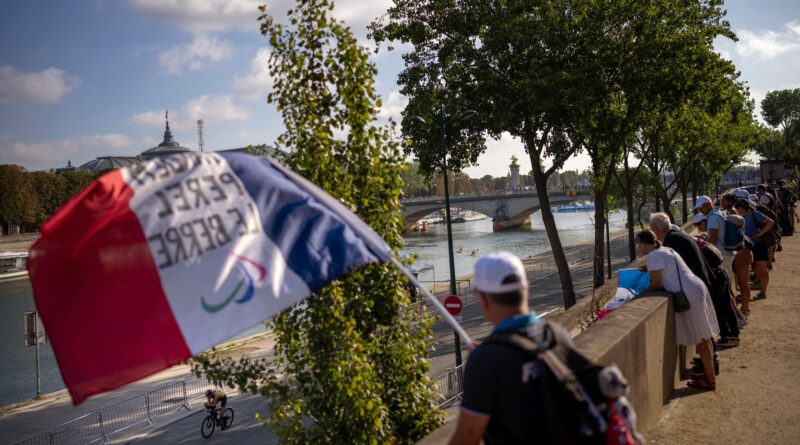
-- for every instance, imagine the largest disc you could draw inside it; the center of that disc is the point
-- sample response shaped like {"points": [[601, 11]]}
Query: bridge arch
{"points": [[512, 209]]}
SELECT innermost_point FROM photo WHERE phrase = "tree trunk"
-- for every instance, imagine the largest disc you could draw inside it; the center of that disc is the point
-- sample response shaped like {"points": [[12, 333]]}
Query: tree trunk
{"points": [[685, 201], [600, 195], [667, 205], [599, 238], [540, 180], [631, 241]]}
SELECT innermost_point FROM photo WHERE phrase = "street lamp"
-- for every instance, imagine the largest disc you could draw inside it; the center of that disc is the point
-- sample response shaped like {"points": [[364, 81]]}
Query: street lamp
{"points": [[442, 121]]}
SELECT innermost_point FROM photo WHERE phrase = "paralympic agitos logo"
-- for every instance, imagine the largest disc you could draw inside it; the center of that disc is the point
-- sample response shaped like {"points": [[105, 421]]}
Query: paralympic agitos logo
{"points": [[244, 290]]}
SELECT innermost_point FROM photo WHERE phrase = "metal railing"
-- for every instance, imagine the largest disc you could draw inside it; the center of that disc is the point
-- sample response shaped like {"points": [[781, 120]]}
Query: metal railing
{"points": [[497, 194], [450, 385], [147, 409]]}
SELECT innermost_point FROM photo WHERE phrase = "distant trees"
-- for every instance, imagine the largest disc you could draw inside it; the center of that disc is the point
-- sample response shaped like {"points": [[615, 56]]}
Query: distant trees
{"points": [[781, 110], [27, 199], [635, 85]]}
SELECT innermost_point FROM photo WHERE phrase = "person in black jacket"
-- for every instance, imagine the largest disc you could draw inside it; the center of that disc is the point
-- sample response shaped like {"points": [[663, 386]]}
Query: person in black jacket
{"points": [[682, 243]]}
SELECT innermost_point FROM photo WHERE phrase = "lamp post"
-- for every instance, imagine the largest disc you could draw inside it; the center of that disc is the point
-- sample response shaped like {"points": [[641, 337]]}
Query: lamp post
{"points": [[442, 121]]}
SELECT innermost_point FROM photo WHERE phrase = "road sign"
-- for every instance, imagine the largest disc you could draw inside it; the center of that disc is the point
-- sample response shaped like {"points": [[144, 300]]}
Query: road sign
{"points": [[453, 304], [34, 329]]}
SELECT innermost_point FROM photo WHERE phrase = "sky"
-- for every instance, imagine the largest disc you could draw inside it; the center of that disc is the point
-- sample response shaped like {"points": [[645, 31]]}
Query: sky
{"points": [[89, 78]]}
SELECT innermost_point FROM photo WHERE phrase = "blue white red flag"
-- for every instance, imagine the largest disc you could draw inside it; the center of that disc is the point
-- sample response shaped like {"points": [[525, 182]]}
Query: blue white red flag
{"points": [[160, 261]]}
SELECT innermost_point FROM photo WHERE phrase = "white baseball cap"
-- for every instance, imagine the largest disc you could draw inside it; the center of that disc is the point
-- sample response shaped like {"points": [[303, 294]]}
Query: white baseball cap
{"points": [[699, 218], [492, 269], [764, 199], [702, 200], [753, 197], [742, 193]]}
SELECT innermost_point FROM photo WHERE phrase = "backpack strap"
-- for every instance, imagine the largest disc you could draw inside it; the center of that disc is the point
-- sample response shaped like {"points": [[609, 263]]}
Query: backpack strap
{"points": [[545, 338]]}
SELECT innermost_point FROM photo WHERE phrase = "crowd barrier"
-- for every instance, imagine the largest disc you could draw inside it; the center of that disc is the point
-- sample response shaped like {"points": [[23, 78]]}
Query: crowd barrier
{"points": [[103, 425]]}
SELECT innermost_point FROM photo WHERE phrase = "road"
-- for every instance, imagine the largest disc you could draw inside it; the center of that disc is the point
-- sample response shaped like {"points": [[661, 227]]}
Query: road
{"points": [[246, 429]]}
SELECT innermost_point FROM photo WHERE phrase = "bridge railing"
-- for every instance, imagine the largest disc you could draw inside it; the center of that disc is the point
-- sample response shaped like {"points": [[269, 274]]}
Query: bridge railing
{"points": [[497, 194]]}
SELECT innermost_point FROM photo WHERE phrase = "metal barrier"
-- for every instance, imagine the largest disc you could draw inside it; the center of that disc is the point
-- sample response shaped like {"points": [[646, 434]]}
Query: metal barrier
{"points": [[98, 427], [44, 438], [450, 384], [83, 430], [124, 415]]}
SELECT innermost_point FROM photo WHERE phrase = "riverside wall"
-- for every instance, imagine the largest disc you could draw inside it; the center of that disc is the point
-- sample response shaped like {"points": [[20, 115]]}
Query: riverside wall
{"points": [[639, 338]]}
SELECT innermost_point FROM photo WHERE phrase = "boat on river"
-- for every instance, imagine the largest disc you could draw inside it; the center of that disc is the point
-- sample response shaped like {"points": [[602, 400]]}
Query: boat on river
{"points": [[13, 265], [579, 207]]}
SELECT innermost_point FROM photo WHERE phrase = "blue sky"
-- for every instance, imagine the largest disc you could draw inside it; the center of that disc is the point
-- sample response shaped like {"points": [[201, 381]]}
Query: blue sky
{"points": [[82, 79]]}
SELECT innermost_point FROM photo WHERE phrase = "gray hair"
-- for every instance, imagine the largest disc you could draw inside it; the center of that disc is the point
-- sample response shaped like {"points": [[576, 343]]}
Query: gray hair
{"points": [[660, 221]]}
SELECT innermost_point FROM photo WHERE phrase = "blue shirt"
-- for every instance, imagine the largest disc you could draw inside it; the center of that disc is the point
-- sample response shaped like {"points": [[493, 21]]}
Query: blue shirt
{"points": [[716, 221], [753, 222], [517, 322]]}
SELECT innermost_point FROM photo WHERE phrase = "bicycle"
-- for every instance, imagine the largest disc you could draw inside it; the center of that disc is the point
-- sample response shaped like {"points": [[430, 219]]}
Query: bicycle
{"points": [[214, 420]]}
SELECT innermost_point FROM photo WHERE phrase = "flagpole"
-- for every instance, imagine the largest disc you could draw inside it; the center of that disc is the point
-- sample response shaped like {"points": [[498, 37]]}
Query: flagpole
{"points": [[448, 318]]}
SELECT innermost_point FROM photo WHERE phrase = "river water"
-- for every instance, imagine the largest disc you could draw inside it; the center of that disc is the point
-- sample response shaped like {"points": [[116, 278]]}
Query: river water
{"points": [[18, 369]]}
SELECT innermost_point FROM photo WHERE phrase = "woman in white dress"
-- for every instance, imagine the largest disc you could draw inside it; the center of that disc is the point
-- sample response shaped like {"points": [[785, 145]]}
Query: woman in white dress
{"points": [[696, 326]]}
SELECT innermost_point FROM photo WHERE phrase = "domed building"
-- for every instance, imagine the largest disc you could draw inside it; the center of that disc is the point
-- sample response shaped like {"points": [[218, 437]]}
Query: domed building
{"points": [[104, 163], [167, 147]]}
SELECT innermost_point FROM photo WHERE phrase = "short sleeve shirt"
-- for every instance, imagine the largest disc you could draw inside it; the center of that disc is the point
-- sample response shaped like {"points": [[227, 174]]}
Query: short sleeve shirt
{"points": [[665, 260], [716, 221], [753, 222], [498, 382]]}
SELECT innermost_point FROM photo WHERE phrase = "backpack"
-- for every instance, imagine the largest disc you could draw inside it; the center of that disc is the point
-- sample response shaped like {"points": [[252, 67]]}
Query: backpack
{"points": [[772, 237], [734, 233], [710, 252], [576, 400]]}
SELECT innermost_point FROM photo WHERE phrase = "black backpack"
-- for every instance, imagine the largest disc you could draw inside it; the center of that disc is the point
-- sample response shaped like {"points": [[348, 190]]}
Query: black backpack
{"points": [[570, 406]]}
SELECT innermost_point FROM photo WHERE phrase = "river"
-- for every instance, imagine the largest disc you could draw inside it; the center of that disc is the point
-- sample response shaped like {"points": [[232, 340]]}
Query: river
{"points": [[18, 369]]}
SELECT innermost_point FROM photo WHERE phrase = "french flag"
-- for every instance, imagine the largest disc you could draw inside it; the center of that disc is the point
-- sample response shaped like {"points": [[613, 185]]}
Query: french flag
{"points": [[158, 262]]}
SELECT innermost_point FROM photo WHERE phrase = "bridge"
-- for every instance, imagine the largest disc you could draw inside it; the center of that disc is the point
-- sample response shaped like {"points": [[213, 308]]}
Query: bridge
{"points": [[507, 209]]}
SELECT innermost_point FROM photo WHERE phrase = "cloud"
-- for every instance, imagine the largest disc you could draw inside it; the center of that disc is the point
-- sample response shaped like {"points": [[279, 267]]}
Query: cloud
{"points": [[57, 152], [199, 16], [211, 108], [202, 16], [765, 45], [393, 107], [255, 84], [201, 52], [497, 157], [47, 86]]}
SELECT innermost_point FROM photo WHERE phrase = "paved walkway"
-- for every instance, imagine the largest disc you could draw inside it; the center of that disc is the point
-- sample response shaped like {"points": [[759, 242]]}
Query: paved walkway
{"points": [[757, 400]]}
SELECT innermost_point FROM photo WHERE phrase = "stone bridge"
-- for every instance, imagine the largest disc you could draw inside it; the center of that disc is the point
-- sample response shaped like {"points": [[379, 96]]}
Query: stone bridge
{"points": [[509, 209]]}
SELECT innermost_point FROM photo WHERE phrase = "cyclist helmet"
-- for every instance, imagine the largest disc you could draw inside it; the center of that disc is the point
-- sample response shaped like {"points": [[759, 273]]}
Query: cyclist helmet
{"points": [[209, 394]]}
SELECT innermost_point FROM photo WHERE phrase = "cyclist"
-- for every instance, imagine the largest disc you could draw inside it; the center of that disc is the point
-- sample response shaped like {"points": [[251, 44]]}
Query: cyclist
{"points": [[215, 396]]}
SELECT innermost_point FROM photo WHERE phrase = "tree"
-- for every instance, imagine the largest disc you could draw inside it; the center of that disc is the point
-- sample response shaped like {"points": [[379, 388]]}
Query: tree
{"points": [[525, 66], [51, 192], [781, 108], [355, 353], [645, 53], [17, 199]]}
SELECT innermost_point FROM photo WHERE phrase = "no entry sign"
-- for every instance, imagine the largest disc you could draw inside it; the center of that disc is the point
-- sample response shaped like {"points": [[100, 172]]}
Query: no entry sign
{"points": [[453, 304]]}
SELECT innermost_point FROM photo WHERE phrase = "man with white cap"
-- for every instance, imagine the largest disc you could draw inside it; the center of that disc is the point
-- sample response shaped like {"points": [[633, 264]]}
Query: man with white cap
{"points": [[494, 405], [742, 194], [715, 224]]}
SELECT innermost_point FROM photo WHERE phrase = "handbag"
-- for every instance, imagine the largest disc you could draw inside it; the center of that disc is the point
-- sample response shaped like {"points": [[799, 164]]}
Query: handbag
{"points": [[680, 302]]}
